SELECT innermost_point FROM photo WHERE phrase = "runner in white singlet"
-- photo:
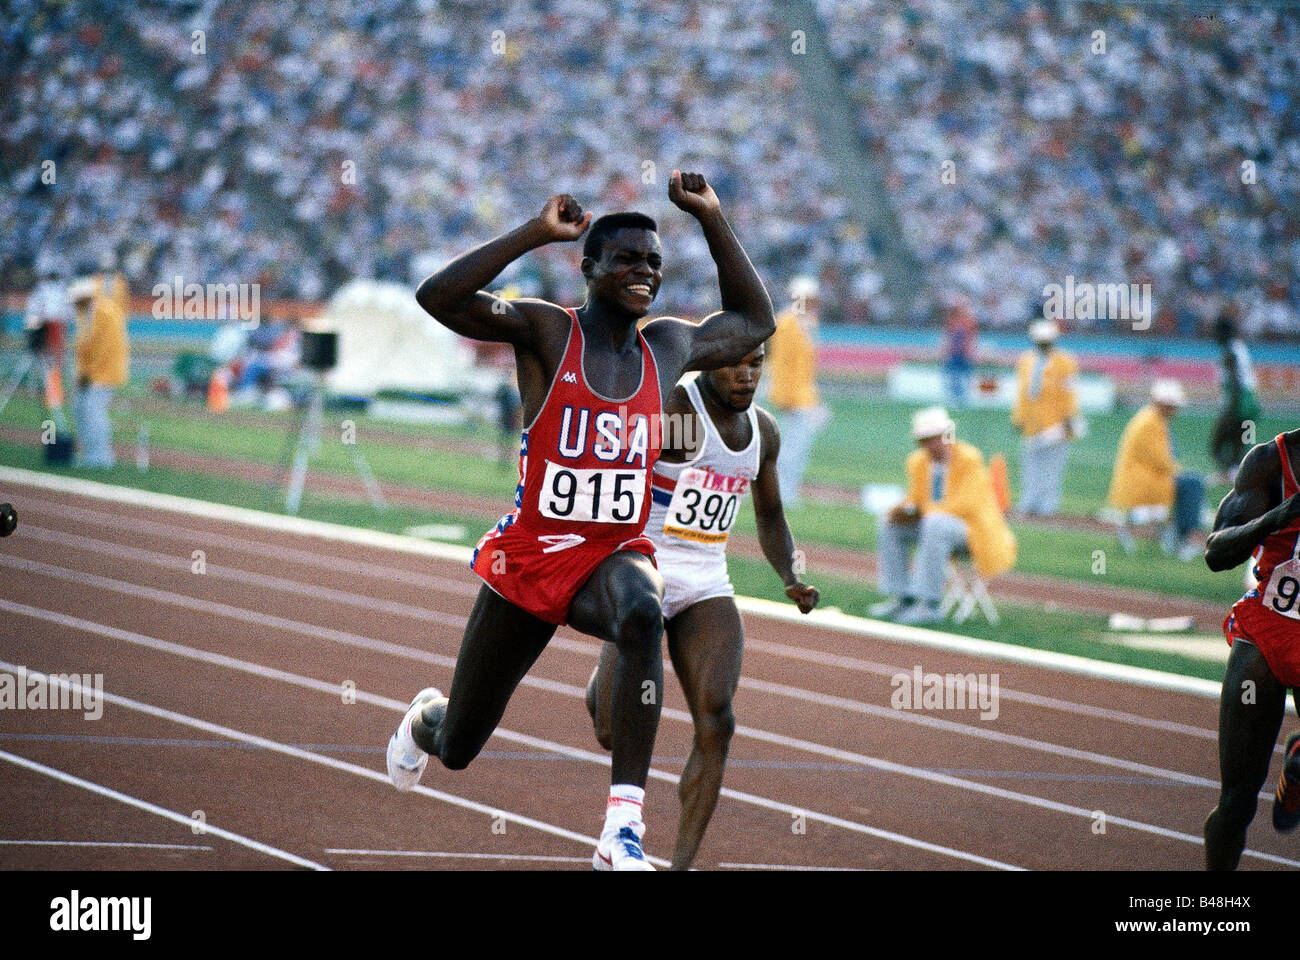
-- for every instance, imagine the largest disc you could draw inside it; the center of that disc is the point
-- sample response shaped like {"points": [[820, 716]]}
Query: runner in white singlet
{"points": [[717, 448]]}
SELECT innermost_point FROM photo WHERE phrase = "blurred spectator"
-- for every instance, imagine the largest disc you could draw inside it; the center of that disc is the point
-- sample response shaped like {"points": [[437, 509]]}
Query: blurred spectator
{"points": [[102, 359], [1240, 405], [49, 311], [1045, 409], [792, 360], [1148, 483], [950, 504], [959, 352], [271, 353]]}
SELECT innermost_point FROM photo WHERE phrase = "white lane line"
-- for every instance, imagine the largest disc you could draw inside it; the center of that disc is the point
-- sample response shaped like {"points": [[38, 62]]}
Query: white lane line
{"points": [[788, 866], [399, 706], [858, 665], [189, 536], [391, 573], [153, 808], [269, 620], [182, 564], [572, 691], [833, 621], [452, 855], [103, 843], [285, 749]]}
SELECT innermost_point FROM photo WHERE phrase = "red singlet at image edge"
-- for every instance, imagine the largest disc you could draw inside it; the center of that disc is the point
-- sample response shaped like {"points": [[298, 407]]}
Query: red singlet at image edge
{"points": [[1269, 615], [584, 488]]}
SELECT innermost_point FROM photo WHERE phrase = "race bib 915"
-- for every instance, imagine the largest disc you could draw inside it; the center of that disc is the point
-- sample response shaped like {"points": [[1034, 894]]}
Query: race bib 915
{"points": [[1282, 595], [591, 496], [704, 506]]}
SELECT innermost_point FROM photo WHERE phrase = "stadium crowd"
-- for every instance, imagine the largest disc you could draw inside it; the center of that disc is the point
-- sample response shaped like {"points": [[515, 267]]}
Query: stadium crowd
{"points": [[1117, 158], [301, 145]]}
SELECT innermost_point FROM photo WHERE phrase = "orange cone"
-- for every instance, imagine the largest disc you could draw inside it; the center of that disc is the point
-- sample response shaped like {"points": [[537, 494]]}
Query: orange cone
{"points": [[219, 392]]}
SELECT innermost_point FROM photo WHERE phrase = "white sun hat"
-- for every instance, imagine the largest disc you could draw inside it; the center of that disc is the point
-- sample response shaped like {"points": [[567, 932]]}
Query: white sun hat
{"points": [[83, 288], [1169, 392], [931, 422], [1044, 331], [804, 287]]}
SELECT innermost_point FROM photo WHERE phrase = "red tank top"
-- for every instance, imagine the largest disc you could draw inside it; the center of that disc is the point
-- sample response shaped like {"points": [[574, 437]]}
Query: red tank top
{"points": [[586, 460], [1277, 559]]}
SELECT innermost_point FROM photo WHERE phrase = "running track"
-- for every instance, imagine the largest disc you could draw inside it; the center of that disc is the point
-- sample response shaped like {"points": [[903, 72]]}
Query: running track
{"points": [[261, 693]]}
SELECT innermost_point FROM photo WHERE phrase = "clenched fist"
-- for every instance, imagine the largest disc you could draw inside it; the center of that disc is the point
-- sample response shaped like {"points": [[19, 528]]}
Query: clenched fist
{"points": [[804, 596], [690, 192], [562, 218]]}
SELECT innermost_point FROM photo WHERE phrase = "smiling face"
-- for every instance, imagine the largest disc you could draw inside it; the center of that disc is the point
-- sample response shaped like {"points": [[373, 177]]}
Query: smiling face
{"points": [[627, 275], [734, 386]]}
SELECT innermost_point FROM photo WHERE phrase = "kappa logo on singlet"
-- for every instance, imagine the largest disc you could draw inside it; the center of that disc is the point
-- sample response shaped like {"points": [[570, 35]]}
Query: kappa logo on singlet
{"points": [[569, 377]]}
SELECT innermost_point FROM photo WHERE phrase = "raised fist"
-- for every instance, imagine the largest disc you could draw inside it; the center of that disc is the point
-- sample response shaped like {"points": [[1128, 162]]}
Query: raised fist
{"points": [[692, 193], [563, 219]]}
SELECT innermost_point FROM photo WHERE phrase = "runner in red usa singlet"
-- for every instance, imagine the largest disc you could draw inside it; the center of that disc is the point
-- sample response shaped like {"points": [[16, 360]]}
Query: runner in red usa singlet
{"points": [[1259, 519], [1269, 615], [591, 386], [584, 488]]}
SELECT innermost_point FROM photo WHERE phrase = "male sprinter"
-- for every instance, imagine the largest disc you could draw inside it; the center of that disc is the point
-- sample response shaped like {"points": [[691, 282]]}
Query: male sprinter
{"points": [[1259, 516], [573, 550], [697, 494]]}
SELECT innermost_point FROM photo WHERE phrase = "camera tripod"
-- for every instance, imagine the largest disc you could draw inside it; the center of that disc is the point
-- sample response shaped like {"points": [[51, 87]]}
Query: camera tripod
{"points": [[308, 443]]}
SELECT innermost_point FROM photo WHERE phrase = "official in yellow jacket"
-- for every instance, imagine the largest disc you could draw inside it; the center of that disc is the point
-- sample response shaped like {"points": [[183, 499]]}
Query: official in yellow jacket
{"points": [[102, 362], [792, 362], [950, 504], [1148, 476], [1045, 412]]}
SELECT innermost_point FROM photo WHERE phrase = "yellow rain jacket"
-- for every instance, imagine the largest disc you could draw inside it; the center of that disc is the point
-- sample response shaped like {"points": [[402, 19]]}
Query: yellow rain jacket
{"points": [[1144, 467], [792, 365], [1056, 402], [969, 496], [102, 354]]}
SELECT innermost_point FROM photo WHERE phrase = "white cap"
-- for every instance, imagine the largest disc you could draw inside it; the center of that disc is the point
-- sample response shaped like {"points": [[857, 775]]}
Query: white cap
{"points": [[931, 422], [804, 287], [1170, 392], [83, 288], [1044, 331]]}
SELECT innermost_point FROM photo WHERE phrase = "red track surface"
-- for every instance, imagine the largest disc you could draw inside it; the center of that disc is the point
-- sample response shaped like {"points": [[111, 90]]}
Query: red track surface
{"points": [[234, 682]]}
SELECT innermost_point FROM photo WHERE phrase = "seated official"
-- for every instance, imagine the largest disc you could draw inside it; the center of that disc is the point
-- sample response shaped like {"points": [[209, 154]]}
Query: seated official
{"points": [[1148, 479], [950, 504]]}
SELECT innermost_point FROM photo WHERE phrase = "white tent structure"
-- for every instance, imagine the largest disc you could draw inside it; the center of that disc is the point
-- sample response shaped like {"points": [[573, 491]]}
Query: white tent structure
{"points": [[387, 342]]}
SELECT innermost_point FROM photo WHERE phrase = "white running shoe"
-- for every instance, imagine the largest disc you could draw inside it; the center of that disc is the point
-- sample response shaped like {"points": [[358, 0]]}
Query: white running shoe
{"points": [[406, 760], [621, 849]]}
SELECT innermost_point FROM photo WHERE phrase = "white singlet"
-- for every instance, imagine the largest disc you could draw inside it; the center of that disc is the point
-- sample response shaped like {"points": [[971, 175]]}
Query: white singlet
{"points": [[694, 505]]}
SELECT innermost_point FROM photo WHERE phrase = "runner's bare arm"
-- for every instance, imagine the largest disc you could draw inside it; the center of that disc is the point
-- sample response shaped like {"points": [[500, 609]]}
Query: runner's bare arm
{"points": [[1251, 511], [746, 317], [454, 296], [773, 531]]}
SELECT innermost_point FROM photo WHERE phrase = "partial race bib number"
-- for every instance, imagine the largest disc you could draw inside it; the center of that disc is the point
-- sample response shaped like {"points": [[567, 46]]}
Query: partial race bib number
{"points": [[1282, 595], [591, 496], [704, 506]]}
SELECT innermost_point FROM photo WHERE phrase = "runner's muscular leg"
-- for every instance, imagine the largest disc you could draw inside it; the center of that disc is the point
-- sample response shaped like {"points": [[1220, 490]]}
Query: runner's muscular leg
{"points": [[599, 690], [501, 644], [1247, 734], [706, 643], [621, 603]]}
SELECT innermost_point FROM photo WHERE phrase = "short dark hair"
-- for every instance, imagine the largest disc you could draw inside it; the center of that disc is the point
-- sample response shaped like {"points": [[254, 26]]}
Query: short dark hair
{"points": [[610, 224]]}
